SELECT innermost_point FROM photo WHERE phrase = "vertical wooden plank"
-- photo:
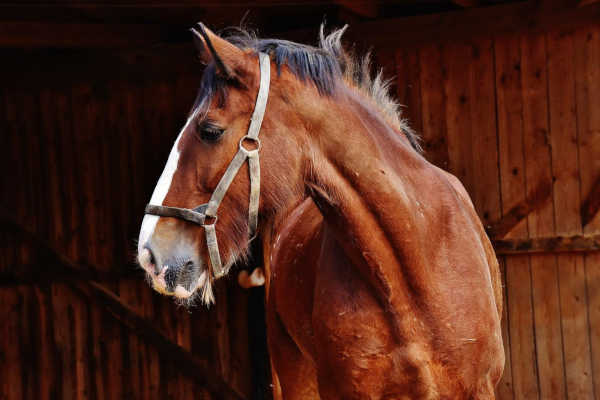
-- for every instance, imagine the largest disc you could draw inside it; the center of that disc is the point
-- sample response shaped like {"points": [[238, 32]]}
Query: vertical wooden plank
{"points": [[239, 338], [27, 325], [456, 58], [67, 231], [62, 316], [125, 108], [222, 330], [53, 105], [28, 113], [520, 310], [48, 377], [54, 119], [132, 123], [136, 384], [108, 136], [152, 372], [433, 105], [486, 187], [544, 272], [9, 160], [110, 148], [56, 108], [505, 390], [587, 81], [563, 130], [408, 87], [16, 344], [512, 180], [85, 113], [11, 371], [80, 326], [85, 168], [157, 107]]}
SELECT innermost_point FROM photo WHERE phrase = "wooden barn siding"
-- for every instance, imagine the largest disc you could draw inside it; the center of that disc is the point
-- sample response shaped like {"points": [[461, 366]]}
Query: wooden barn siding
{"points": [[81, 157], [504, 113], [507, 114]]}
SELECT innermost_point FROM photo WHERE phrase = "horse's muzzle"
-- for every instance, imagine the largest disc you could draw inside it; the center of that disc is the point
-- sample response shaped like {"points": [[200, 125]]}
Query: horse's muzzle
{"points": [[177, 275]]}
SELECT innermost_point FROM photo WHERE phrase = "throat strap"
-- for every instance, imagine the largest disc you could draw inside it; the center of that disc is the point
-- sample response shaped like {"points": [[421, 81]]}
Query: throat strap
{"points": [[198, 215]]}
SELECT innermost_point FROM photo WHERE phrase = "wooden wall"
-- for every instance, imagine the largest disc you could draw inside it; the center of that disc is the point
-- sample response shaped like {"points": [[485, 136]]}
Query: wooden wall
{"points": [[510, 114], [84, 137]]}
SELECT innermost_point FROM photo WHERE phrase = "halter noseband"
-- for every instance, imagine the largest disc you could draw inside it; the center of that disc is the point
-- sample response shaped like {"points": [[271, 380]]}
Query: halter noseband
{"points": [[198, 215]]}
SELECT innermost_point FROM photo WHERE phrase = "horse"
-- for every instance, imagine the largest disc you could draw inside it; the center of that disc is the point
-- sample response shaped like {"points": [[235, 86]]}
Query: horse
{"points": [[380, 281]]}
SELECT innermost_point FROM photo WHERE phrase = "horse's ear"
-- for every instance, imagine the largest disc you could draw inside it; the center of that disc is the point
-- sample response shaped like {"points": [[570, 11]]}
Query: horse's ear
{"points": [[214, 48]]}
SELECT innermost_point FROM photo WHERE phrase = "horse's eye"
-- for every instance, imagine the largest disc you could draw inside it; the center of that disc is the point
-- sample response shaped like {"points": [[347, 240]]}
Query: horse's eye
{"points": [[209, 132]]}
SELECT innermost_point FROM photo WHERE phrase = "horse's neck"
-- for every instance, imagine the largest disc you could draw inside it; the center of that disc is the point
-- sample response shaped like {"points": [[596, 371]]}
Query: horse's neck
{"points": [[377, 214]]}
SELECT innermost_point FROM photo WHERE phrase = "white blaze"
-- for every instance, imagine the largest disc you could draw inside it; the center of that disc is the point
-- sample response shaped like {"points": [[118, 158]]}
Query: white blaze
{"points": [[161, 190]]}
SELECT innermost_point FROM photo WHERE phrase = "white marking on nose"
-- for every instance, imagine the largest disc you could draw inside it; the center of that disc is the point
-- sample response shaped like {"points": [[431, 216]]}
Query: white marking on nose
{"points": [[144, 260], [161, 189]]}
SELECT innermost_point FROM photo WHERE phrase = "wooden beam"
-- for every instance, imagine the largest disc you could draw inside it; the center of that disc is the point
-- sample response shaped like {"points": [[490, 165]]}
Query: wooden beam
{"points": [[558, 244], [591, 205], [466, 3], [447, 27], [192, 366], [409, 31], [367, 9], [84, 35], [535, 200]]}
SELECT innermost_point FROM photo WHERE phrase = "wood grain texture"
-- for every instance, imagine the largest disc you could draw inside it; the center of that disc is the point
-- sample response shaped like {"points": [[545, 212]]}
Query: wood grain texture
{"points": [[587, 87], [548, 245], [504, 113], [433, 105], [11, 374], [408, 87], [540, 221], [83, 157], [484, 147], [567, 202], [509, 104], [535, 199], [457, 58], [505, 389]]}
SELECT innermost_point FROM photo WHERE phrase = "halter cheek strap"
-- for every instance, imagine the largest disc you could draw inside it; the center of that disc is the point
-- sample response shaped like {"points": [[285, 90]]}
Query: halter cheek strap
{"points": [[199, 214]]}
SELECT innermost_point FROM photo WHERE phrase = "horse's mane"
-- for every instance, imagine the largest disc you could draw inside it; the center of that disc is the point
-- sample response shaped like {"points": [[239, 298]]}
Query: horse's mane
{"points": [[324, 66]]}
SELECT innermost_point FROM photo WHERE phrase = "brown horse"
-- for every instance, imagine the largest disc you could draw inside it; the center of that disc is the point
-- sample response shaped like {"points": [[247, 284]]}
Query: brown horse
{"points": [[381, 282]]}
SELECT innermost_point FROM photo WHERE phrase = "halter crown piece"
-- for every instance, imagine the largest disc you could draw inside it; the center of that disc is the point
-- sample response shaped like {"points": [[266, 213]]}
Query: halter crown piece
{"points": [[199, 214]]}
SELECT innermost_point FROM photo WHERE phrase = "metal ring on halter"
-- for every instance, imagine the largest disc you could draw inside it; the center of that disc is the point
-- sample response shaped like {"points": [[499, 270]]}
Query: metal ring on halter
{"points": [[254, 139]]}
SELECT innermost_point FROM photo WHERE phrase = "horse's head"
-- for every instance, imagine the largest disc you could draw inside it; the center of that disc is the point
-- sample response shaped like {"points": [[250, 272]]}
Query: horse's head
{"points": [[173, 250], [318, 99]]}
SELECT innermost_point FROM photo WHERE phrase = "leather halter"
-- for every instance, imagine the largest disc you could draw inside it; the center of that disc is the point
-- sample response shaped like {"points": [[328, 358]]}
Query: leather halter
{"points": [[208, 211]]}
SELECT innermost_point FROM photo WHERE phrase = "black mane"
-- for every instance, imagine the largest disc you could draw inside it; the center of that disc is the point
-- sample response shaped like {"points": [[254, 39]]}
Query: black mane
{"points": [[324, 66]]}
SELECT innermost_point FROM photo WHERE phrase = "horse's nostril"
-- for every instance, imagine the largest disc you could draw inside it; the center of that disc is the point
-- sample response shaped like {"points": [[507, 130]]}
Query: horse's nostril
{"points": [[177, 272], [171, 277], [152, 260]]}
